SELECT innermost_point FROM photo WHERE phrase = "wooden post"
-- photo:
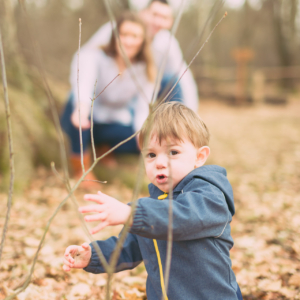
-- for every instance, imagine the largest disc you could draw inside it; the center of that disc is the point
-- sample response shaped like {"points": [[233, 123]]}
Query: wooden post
{"points": [[242, 56]]}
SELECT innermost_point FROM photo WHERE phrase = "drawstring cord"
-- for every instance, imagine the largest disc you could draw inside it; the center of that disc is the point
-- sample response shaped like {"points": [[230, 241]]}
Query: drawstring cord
{"points": [[162, 283]]}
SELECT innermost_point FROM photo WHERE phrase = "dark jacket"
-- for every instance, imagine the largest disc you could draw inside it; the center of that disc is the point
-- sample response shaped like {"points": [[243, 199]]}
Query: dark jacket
{"points": [[202, 211]]}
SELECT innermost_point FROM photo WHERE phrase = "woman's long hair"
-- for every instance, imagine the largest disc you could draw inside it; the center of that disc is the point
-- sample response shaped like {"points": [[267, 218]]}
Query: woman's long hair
{"points": [[145, 53]]}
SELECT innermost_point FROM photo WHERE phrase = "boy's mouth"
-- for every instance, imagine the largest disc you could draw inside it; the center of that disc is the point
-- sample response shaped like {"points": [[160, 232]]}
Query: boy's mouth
{"points": [[161, 178]]}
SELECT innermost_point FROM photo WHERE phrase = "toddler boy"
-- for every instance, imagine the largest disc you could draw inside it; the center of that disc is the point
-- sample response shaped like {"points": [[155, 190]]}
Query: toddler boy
{"points": [[174, 144]]}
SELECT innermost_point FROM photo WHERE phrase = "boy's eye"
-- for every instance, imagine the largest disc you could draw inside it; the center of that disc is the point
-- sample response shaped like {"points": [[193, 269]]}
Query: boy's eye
{"points": [[151, 155], [173, 152]]}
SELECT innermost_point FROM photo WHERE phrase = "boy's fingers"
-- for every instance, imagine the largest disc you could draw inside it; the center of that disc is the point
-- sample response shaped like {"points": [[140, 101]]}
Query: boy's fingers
{"points": [[85, 246], [96, 198], [99, 227], [67, 263], [66, 268], [70, 250], [96, 217], [91, 208], [69, 258]]}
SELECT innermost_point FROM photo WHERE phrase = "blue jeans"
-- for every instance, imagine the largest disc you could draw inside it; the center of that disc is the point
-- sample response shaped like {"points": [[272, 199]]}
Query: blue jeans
{"points": [[104, 134], [167, 83], [114, 133]]}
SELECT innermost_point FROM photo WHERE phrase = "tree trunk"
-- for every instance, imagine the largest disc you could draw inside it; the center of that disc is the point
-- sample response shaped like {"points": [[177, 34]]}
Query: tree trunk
{"points": [[33, 133]]}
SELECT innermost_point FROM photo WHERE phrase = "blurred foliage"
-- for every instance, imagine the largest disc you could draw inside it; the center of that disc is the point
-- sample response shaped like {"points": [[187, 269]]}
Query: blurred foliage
{"points": [[45, 34]]}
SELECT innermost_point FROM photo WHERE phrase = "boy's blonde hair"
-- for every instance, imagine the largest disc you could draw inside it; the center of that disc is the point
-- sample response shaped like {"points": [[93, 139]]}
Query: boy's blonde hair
{"points": [[175, 120]]}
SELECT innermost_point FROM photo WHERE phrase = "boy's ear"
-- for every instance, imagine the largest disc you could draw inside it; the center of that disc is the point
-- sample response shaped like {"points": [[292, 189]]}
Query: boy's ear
{"points": [[202, 155]]}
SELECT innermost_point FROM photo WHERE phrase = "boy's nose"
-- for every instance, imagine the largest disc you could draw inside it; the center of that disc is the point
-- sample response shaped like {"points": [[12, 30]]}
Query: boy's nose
{"points": [[161, 162]]}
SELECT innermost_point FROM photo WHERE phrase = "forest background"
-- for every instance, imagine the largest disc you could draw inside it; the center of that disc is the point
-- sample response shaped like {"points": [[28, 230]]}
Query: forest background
{"points": [[248, 77]]}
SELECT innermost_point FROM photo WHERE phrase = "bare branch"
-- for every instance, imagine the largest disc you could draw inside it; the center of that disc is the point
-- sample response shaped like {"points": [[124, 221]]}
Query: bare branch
{"points": [[216, 7], [99, 253], [207, 39], [92, 123], [95, 181], [92, 110], [108, 85], [170, 228], [56, 173], [64, 164], [79, 113], [165, 57], [115, 255], [124, 55], [10, 145]]}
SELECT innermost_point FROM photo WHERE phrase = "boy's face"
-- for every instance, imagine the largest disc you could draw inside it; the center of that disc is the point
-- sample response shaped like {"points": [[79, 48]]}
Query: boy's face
{"points": [[169, 162]]}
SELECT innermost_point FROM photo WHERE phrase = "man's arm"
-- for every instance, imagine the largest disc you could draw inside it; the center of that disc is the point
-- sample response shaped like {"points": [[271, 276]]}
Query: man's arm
{"points": [[175, 65]]}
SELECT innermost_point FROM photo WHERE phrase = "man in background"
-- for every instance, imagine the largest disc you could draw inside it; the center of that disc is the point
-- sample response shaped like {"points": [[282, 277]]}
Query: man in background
{"points": [[158, 17]]}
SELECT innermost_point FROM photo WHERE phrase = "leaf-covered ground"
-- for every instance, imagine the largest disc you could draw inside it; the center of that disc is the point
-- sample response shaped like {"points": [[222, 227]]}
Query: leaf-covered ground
{"points": [[259, 146]]}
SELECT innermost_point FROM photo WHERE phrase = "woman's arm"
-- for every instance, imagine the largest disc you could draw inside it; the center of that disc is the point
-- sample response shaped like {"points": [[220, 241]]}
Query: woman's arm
{"points": [[87, 71]]}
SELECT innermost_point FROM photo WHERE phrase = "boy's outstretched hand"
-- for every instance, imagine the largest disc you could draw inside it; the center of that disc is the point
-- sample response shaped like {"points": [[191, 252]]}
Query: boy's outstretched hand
{"points": [[109, 211], [77, 257]]}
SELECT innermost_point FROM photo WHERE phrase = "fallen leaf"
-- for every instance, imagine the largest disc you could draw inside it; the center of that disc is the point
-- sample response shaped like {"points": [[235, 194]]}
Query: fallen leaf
{"points": [[295, 280], [80, 289]]}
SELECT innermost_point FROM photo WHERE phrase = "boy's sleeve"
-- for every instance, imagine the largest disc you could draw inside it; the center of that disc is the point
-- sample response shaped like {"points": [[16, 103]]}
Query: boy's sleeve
{"points": [[130, 255], [198, 213]]}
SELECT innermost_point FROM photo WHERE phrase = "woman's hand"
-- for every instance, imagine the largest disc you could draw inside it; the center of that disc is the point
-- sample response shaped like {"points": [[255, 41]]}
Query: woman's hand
{"points": [[77, 257], [108, 210], [85, 122]]}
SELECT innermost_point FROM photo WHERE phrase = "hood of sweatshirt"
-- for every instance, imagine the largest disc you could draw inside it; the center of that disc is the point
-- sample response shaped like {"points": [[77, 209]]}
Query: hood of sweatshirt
{"points": [[213, 174]]}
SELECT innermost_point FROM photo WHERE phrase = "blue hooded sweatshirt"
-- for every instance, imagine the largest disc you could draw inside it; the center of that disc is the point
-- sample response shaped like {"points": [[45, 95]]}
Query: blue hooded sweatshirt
{"points": [[200, 267]]}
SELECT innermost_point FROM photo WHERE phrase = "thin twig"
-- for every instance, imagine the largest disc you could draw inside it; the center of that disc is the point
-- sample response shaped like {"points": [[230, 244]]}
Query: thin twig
{"points": [[64, 161], [61, 144], [170, 227], [165, 56], [92, 112], [60, 136], [108, 85], [98, 251], [207, 39], [216, 7], [10, 145], [95, 181], [211, 15], [92, 123], [79, 113], [123, 53], [27, 281], [116, 253], [56, 172]]}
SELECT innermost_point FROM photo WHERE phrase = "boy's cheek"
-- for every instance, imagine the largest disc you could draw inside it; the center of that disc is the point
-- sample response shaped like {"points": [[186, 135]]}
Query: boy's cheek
{"points": [[149, 172]]}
